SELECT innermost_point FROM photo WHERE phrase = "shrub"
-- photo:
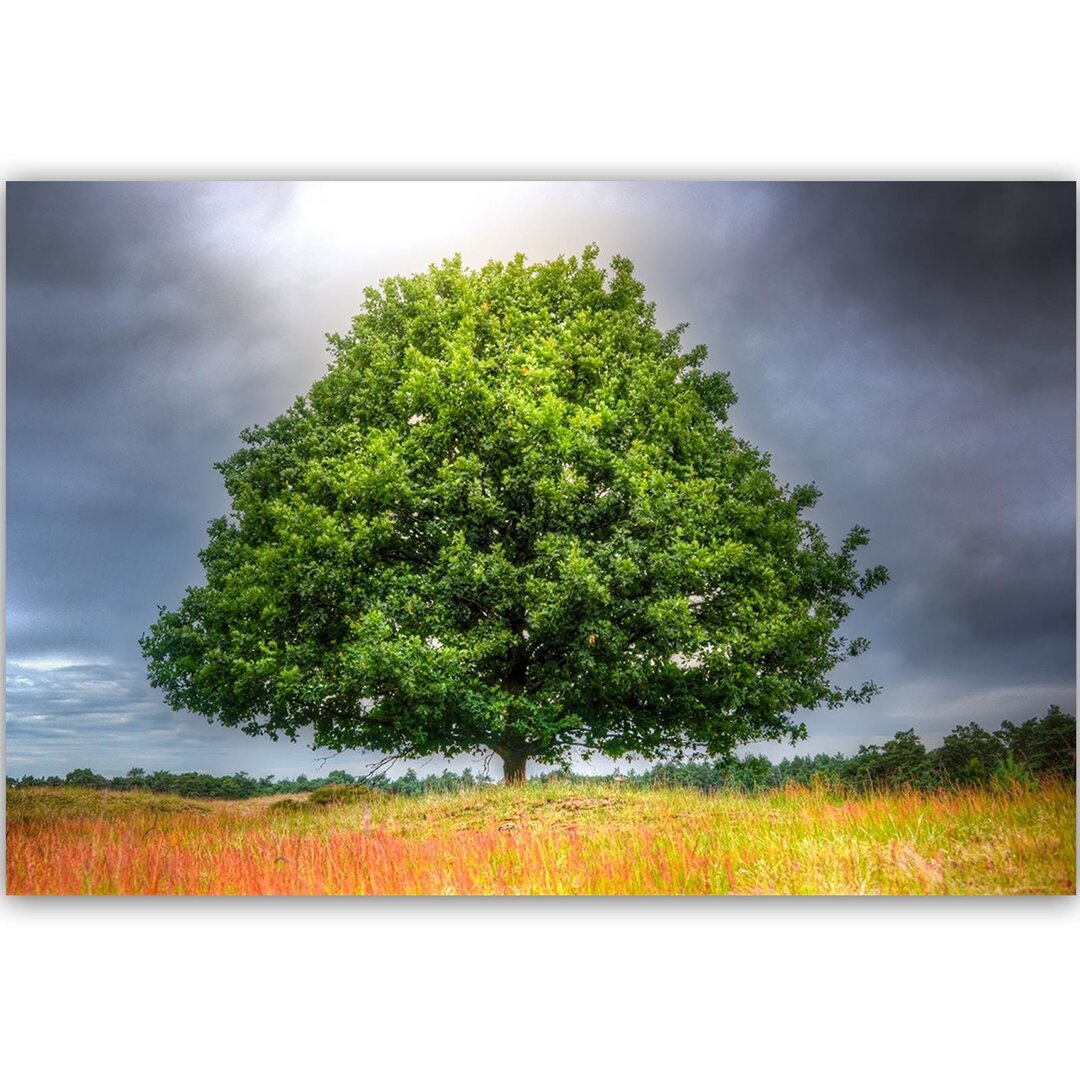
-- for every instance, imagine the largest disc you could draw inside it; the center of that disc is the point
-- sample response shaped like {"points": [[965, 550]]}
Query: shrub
{"points": [[1011, 773], [340, 794]]}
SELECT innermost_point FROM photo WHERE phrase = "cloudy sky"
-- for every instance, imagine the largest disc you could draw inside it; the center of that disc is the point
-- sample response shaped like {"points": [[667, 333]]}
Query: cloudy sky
{"points": [[908, 347]]}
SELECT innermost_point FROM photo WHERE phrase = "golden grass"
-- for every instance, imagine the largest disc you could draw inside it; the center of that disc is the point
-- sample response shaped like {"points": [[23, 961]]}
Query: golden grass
{"points": [[555, 839]]}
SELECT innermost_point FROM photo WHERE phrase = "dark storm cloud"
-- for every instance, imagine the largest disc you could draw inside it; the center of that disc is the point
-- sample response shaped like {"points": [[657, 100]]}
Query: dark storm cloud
{"points": [[65, 235], [945, 265], [131, 330], [968, 291], [976, 276]]}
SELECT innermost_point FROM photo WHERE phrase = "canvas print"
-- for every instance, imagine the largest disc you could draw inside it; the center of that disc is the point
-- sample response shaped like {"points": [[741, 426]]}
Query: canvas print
{"points": [[555, 538]]}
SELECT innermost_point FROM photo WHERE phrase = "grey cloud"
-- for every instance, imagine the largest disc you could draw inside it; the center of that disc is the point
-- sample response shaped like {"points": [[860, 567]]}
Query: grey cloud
{"points": [[100, 713]]}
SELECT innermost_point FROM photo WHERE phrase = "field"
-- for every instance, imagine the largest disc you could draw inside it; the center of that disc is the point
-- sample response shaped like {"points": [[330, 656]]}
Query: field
{"points": [[566, 839]]}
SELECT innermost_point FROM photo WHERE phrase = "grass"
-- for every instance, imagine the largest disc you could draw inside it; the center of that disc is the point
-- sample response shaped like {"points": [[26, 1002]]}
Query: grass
{"points": [[547, 839]]}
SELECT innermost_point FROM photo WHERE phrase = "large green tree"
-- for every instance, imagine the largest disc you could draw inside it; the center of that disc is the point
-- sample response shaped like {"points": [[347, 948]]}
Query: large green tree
{"points": [[512, 516]]}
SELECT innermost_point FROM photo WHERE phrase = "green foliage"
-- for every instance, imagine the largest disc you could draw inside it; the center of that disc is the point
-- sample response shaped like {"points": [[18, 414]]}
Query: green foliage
{"points": [[970, 754], [1046, 744], [512, 516], [752, 773], [902, 761], [705, 776], [1011, 773], [446, 783], [85, 778]]}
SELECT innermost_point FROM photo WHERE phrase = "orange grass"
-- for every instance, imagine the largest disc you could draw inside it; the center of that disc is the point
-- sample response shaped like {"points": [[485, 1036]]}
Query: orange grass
{"points": [[556, 839]]}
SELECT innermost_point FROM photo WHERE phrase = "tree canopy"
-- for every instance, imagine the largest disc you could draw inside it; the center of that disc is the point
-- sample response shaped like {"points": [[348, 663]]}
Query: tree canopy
{"points": [[512, 516]]}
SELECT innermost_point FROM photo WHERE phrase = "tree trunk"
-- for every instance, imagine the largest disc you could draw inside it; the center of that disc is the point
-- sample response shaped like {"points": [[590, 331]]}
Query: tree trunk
{"points": [[513, 759]]}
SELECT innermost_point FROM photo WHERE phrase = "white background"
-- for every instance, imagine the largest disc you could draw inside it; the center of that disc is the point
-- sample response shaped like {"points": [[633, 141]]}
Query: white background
{"points": [[820, 987]]}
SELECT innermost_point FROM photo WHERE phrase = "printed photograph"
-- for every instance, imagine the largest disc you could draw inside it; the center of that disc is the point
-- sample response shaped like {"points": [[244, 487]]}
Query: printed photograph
{"points": [[553, 538]]}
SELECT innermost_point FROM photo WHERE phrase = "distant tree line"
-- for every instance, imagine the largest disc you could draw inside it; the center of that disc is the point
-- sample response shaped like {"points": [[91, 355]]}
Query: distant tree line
{"points": [[969, 755], [242, 786]]}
